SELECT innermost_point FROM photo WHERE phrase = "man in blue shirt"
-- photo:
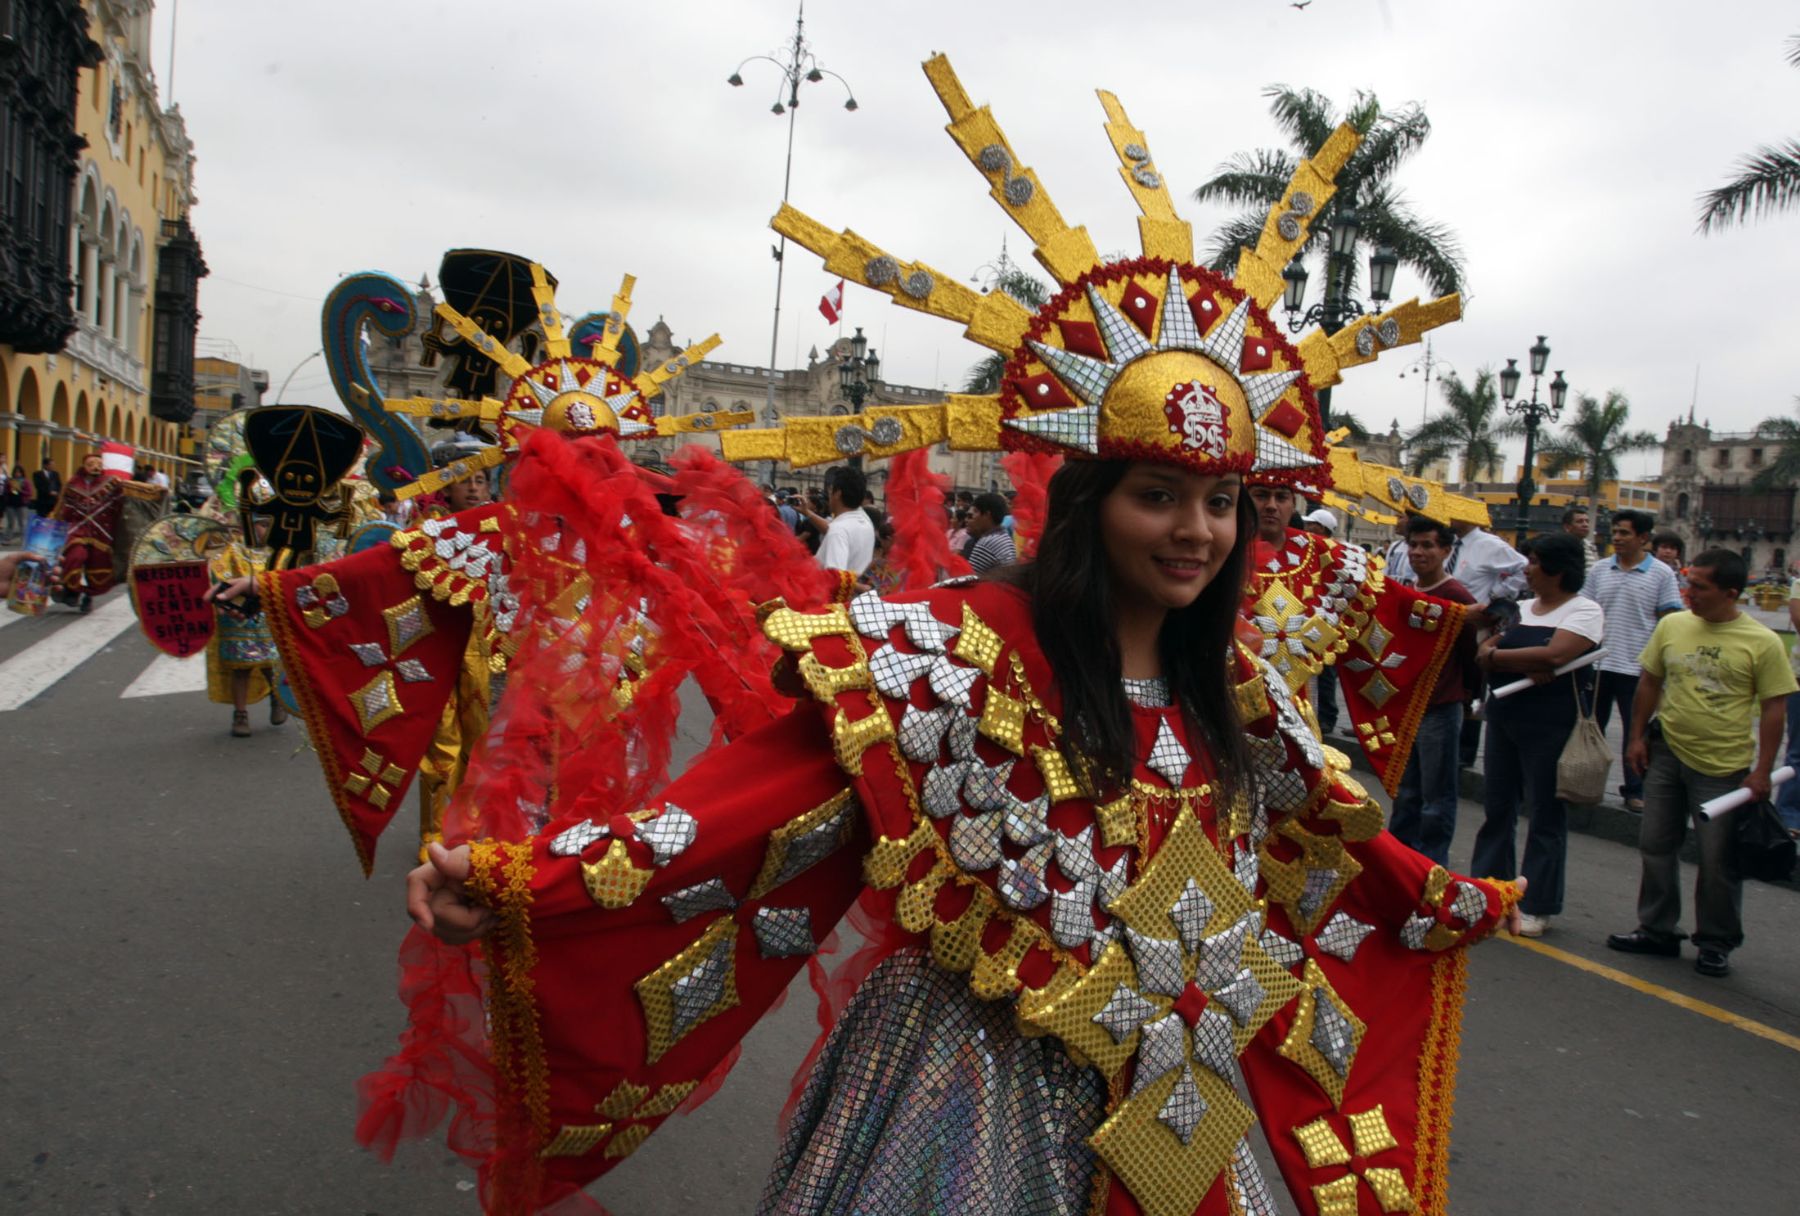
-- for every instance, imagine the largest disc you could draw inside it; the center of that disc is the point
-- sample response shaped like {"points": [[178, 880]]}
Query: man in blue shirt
{"points": [[1633, 589]]}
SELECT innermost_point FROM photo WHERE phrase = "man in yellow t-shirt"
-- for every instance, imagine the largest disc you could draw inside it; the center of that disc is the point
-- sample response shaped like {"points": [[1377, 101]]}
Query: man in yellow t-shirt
{"points": [[1718, 684]]}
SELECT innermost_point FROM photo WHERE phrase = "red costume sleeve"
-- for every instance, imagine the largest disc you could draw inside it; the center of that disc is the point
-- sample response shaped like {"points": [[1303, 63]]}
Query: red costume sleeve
{"points": [[372, 662], [632, 954]]}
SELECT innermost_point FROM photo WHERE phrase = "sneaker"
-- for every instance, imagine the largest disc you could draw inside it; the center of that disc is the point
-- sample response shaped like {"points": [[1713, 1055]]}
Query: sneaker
{"points": [[240, 724], [1715, 963], [277, 710], [1635, 805], [1532, 926]]}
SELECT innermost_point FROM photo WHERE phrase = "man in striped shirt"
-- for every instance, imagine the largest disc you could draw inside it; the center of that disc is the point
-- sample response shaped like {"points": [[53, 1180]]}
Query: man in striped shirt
{"points": [[1633, 589], [992, 545]]}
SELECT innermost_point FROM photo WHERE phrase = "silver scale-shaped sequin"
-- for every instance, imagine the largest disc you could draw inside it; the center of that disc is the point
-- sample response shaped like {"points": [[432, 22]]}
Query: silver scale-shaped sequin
{"points": [[1191, 911], [1342, 935], [875, 618], [1161, 1050], [921, 731], [1220, 954], [1470, 903], [1412, 933], [1242, 996], [689, 902], [783, 932], [1291, 724], [1072, 913], [669, 834], [1021, 884], [571, 842], [975, 841], [1215, 1046], [815, 845], [1278, 786], [1160, 963], [700, 989], [1123, 1013], [1184, 1109], [985, 786], [1287, 953], [1027, 823], [1247, 868], [1075, 855], [1332, 1033], [1316, 888], [1168, 759]]}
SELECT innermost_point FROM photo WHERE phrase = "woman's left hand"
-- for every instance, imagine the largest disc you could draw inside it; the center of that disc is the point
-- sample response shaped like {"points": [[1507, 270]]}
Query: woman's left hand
{"points": [[1513, 913]]}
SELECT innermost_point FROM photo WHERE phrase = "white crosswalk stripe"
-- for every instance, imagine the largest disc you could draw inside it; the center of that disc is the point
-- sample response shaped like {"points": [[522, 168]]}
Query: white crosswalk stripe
{"points": [[27, 674], [167, 674], [70, 641]]}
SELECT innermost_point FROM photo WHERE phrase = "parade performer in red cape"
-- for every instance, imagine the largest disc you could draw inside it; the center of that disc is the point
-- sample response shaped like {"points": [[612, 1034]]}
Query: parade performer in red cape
{"points": [[1105, 861], [91, 504]]}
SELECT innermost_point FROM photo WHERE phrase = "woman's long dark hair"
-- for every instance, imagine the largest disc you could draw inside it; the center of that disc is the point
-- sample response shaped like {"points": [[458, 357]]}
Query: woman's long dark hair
{"points": [[1072, 611]]}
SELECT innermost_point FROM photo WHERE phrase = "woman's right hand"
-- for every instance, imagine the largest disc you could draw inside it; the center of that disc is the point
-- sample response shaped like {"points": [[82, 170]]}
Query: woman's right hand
{"points": [[437, 897], [230, 589]]}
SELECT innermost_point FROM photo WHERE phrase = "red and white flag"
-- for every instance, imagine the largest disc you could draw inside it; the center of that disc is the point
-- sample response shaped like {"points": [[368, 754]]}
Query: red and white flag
{"points": [[831, 304], [117, 459]]}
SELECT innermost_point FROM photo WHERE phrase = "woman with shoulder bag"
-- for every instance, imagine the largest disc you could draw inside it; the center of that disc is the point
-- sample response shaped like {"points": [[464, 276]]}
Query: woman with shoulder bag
{"points": [[1528, 730]]}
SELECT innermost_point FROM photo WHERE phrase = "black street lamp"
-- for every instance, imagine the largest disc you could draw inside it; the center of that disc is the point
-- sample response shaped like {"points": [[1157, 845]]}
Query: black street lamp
{"points": [[1339, 307], [858, 372], [796, 64], [1703, 524], [1534, 413]]}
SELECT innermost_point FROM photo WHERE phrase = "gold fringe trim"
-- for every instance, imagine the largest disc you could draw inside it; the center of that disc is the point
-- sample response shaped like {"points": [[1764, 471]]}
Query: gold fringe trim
{"points": [[1437, 1082]]}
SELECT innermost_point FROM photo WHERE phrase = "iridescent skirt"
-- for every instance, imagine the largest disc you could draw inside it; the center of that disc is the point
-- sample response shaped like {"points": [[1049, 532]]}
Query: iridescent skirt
{"points": [[927, 1099], [244, 643]]}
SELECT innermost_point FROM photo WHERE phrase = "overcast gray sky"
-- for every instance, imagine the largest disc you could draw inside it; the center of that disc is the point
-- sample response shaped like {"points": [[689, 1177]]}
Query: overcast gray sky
{"points": [[1569, 144]]}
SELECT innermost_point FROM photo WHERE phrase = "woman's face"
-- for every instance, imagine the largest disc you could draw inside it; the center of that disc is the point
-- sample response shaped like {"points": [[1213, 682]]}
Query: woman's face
{"points": [[1541, 584], [1167, 532]]}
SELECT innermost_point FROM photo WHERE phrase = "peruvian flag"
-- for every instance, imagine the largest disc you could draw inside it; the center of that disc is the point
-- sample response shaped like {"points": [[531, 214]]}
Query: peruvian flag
{"points": [[117, 460], [831, 304]]}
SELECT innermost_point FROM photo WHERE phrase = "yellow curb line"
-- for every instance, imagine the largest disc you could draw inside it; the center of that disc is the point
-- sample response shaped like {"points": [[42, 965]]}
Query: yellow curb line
{"points": [[1692, 1004]]}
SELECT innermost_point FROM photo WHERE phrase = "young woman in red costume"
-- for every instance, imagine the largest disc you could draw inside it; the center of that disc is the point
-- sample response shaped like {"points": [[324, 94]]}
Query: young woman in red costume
{"points": [[1103, 865]]}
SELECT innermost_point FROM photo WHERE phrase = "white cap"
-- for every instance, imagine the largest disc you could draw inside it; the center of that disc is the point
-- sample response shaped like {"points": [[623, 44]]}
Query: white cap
{"points": [[1323, 517]]}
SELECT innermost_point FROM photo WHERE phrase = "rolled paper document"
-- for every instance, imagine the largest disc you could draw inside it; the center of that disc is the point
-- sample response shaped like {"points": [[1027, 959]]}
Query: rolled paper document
{"points": [[1712, 808], [1574, 664]]}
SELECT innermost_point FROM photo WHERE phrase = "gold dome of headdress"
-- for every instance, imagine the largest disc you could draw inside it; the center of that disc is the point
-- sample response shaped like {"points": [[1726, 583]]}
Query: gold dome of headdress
{"points": [[575, 394], [1151, 358]]}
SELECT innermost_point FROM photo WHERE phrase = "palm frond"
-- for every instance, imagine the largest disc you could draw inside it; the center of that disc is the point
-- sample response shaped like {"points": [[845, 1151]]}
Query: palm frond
{"points": [[984, 378], [1254, 178], [1306, 117], [1234, 234], [1793, 50], [1769, 182], [1390, 140]]}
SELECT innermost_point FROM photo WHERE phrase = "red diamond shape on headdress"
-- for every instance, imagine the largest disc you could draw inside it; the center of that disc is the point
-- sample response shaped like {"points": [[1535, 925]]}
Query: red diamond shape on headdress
{"points": [[1286, 417], [1082, 338], [1043, 392], [1206, 310], [1139, 303], [1258, 356]]}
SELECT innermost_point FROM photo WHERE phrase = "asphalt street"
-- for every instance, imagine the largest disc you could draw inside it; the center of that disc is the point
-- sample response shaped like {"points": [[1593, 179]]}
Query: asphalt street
{"points": [[193, 973]]}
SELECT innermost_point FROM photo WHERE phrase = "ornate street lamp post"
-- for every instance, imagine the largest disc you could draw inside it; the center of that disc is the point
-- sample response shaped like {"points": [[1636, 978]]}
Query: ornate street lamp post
{"points": [[858, 371], [1534, 413], [1338, 307], [796, 64]]}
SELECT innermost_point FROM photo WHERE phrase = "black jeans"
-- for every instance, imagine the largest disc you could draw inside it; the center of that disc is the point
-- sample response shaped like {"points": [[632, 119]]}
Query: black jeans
{"points": [[1522, 751], [1618, 688], [1326, 704]]}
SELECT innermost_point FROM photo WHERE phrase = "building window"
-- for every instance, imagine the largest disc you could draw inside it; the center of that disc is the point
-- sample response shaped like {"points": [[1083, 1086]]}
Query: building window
{"points": [[1681, 506], [115, 112], [1687, 457], [1724, 458], [1755, 457]]}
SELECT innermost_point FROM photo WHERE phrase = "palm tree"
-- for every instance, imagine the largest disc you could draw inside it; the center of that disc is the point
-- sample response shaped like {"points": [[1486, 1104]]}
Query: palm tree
{"points": [[1470, 427], [1594, 439], [984, 377], [1785, 469], [1768, 179], [1256, 181]]}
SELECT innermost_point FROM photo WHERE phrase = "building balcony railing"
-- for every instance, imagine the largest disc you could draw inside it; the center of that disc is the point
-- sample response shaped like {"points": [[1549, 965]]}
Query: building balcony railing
{"points": [[90, 346]]}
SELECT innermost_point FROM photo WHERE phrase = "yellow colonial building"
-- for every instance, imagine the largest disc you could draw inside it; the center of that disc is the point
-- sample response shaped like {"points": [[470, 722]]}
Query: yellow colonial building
{"points": [[126, 371]]}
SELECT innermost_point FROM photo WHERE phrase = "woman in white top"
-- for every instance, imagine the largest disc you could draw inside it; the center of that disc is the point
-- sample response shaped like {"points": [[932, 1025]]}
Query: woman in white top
{"points": [[1526, 732]]}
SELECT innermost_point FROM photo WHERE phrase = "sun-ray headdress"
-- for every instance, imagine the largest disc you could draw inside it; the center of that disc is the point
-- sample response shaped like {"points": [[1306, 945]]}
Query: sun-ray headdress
{"points": [[1150, 358], [568, 392]]}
